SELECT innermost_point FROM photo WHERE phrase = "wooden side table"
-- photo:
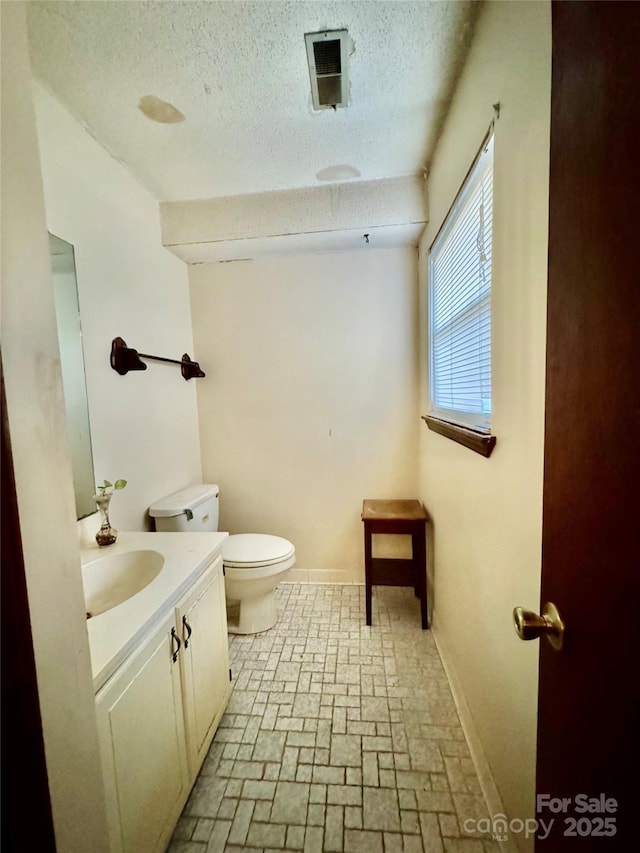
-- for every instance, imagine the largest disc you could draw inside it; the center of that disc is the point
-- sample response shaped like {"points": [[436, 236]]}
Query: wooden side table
{"points": [[401, 516]]}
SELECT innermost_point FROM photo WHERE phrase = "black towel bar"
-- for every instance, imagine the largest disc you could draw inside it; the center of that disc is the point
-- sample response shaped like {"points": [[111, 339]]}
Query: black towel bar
{"points": [[124, 359]]}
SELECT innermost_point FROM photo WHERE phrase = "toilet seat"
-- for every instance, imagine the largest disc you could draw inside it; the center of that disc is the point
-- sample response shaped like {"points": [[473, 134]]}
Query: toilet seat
{"points": [[255, 551]]}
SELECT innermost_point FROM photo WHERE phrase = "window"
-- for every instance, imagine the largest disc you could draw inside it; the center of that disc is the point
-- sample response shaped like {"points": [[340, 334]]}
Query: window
{"points": [[460, 304]]}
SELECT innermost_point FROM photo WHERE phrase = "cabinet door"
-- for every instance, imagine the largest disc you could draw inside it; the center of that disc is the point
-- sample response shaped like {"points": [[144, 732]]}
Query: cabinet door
{"points": [[143, 749], [202, 617]]}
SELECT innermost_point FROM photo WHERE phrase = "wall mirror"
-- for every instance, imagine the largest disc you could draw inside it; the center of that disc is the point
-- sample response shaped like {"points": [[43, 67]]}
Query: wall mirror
{"points": [[65, 289]]}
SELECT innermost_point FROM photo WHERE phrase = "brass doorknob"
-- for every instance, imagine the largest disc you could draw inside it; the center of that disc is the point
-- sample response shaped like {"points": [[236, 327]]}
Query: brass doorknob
{"points": [[529, 625]]}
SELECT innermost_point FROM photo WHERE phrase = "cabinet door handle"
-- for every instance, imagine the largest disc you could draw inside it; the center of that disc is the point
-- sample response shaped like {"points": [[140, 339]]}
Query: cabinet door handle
{"points": [[174, 637], [188, 627]]}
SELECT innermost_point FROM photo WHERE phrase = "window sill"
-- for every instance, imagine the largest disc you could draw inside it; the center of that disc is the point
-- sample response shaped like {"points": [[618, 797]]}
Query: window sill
{"points": [[479, 442]]}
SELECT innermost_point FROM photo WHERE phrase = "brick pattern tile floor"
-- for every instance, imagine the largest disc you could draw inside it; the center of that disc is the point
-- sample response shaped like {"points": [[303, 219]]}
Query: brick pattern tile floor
{"points": [[338, 738]]}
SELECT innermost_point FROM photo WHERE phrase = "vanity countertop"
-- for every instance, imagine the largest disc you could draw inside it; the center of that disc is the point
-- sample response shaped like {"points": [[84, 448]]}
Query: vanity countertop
{"points": [[115, 633]]}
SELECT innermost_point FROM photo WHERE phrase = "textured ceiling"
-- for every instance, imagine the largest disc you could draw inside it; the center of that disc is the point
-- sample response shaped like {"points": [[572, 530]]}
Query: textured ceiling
{"points": [[238, 73]]}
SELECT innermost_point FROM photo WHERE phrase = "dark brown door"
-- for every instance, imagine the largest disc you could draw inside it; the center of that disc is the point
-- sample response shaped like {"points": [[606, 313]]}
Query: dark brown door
{"points": [[588, 704], [26, 823]]}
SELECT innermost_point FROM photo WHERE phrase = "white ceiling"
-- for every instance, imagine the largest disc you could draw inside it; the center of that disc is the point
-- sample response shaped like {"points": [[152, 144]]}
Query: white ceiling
{"points": [[238, 72]]}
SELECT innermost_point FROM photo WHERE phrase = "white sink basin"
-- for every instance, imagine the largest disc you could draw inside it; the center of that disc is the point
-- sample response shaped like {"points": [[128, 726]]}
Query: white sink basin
{"points": [[114, 578]]}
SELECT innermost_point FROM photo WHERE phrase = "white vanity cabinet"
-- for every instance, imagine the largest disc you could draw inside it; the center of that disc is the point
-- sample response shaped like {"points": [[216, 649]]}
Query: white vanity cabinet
{"points": [[204, 661], [158, 713], [142, 745]]}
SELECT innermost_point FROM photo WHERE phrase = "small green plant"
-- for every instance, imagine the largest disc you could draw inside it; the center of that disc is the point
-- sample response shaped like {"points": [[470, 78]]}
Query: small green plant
{"points": [[104, 488]]}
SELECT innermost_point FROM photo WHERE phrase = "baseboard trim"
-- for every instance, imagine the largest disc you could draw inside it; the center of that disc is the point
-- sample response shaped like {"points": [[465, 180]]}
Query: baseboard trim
{"points": [[328, 576], [485, 776]]}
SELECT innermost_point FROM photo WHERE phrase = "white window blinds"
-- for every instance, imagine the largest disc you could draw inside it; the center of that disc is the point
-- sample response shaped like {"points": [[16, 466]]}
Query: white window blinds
{"points": [[460, 302]]}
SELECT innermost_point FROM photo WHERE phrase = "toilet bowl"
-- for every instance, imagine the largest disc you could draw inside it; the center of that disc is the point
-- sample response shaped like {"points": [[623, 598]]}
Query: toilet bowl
{"points": [[254, 563]]}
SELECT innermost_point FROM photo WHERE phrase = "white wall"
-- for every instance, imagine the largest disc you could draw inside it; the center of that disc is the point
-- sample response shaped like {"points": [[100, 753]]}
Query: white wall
{"points": [[488, 512], [144, 425], [311, 402], [44, 484]]}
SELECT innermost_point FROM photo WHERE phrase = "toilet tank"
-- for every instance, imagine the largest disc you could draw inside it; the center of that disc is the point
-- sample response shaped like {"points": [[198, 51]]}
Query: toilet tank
{"points": [[190, 510]]}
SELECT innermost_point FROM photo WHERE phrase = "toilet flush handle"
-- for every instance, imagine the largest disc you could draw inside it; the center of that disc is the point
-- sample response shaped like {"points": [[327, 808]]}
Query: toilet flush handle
{"points": [[529, 625]]}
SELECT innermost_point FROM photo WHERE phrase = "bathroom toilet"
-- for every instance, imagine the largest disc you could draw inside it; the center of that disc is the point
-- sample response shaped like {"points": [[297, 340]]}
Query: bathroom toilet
{"points": [[254, 563]]}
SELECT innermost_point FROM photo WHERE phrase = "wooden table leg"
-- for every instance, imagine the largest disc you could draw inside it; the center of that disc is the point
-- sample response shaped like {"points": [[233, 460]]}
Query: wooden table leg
{"points": [[367, 571], [419, 547], [415, 556]]}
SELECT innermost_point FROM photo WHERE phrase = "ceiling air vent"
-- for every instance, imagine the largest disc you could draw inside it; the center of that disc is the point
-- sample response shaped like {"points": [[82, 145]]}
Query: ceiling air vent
{"points": [[327, 55]]}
